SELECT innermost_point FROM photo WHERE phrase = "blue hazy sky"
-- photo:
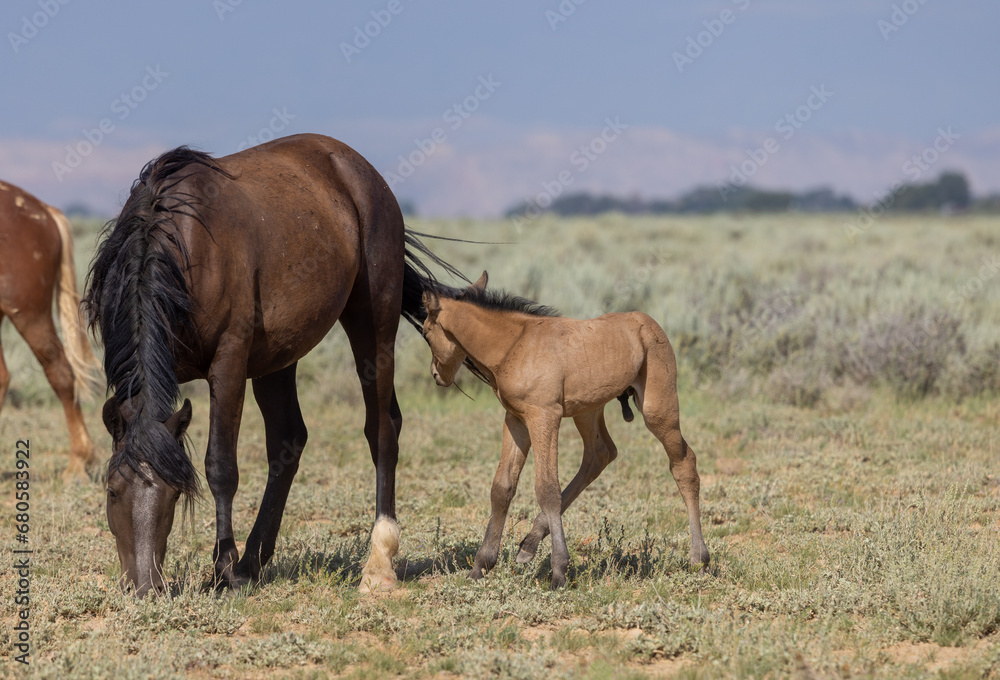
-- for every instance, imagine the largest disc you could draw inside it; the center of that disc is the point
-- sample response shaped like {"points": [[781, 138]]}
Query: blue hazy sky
{"points": [[225, 70]]}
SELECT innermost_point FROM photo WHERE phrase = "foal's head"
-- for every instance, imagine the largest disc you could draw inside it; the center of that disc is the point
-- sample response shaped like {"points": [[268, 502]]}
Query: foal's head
{"points": [[448, 356]]}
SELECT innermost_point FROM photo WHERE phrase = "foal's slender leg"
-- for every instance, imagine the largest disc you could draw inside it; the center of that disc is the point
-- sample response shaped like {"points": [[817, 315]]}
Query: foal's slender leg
{"points": [[661, 412], [371, 328], [544, 430], [514, 452], [227, 388], [598, 452], [286, 436], [39, 332]]}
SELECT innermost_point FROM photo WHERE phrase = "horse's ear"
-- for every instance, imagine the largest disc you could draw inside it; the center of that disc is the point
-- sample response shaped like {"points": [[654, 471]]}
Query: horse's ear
{"points": [[432, 303], [477, 287], [177, 424], [480, 285], [112, 418]]}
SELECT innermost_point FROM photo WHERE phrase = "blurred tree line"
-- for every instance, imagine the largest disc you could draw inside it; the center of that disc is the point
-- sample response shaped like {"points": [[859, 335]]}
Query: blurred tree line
{"points": [[949, 193]]}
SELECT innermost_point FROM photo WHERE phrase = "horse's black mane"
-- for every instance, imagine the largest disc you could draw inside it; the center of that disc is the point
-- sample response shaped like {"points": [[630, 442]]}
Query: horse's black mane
{"points": [[137, 300], [499, 300]]}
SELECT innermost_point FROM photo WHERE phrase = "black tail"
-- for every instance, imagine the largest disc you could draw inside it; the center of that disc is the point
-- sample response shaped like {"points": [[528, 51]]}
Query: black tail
{"points": [[418, 277]]}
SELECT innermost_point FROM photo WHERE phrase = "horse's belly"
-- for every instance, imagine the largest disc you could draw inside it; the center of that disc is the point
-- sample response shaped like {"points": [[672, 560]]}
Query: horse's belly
{"points": [[289, 327]]}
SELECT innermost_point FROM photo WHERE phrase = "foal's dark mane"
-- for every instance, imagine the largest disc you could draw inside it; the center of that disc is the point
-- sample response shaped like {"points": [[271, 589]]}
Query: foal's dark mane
{"points": [[138, 300], [500, 301], [495, 300]]}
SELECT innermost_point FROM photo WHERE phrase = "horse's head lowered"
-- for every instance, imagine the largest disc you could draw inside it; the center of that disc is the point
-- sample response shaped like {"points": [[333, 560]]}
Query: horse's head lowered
{"points": [[141, 502], [448, 356]]}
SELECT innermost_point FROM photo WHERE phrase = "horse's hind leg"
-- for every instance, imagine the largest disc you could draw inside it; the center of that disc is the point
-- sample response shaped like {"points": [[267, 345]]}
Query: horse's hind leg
{"points": [[514, 452], [598, 452], [4, 373], [286, 435], [661, 412], [39, 332], [371, 328]]}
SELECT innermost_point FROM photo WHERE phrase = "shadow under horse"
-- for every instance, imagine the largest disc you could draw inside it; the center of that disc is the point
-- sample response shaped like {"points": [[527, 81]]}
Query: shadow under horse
{"points": [[234, 268], [36, 265]]}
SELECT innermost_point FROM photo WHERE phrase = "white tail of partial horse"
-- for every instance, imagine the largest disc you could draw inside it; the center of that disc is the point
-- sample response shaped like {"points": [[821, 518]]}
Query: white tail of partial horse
{"points": [[378, 573], [79, 354]]}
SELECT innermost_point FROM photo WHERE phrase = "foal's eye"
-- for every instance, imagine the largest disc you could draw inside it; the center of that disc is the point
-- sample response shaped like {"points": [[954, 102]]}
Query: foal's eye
{"points": [[112, 496]]}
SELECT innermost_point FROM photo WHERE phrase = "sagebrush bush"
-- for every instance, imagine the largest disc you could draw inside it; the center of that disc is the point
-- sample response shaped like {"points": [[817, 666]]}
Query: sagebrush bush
{"points": [[934, 570]]}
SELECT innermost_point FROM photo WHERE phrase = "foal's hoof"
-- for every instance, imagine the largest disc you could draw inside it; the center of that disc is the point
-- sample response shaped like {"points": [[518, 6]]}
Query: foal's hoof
{"points": [[523, 557], [377, 584], [558, 581]]}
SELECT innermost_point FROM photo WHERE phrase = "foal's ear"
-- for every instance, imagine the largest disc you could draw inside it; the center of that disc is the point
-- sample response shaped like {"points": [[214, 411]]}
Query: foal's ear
{"points": [[112, 418], [177, 424], [432, 303], [480, 285]]}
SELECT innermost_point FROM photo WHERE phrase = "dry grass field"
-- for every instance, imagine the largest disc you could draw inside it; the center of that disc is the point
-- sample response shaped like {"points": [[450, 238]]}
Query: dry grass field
{"points": [[839, 387]]}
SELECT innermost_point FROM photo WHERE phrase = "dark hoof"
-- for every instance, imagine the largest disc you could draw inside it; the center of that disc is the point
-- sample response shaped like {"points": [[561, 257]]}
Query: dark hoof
{"points": [[475, 574], [523, 557], [232, 583], [699, 560], [557, 582]]}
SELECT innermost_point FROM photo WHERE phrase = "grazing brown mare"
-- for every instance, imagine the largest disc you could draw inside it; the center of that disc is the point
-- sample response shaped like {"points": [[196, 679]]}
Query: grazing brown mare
{"points": [[235, 268], [36, 262], [544, 368]]}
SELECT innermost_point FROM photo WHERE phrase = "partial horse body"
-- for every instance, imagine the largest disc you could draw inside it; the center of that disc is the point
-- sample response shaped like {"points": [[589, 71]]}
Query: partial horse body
{"points": [[543, 368], [235, 268], [36, 263]]}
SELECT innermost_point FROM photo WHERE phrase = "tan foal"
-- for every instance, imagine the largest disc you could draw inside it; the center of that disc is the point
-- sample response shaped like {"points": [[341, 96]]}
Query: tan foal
{"points": [[543, 368]]}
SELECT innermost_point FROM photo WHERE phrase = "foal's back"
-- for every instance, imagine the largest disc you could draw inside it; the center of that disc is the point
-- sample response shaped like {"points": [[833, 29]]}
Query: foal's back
{"points": [[589, 361]]}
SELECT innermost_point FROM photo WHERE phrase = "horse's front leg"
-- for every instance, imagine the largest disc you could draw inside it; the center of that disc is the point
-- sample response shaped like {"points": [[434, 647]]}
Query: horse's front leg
{"points": [[516, 442], [598, 452], [227, 387], [286, 436]]}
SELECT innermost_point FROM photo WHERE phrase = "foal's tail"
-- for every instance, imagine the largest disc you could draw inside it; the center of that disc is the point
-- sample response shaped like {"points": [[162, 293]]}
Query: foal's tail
{"points": [[418, 277], [79, 354]]}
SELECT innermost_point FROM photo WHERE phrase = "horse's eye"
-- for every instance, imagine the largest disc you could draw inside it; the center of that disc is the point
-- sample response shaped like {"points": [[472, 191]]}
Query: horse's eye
{"points": [[112, 496]]}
